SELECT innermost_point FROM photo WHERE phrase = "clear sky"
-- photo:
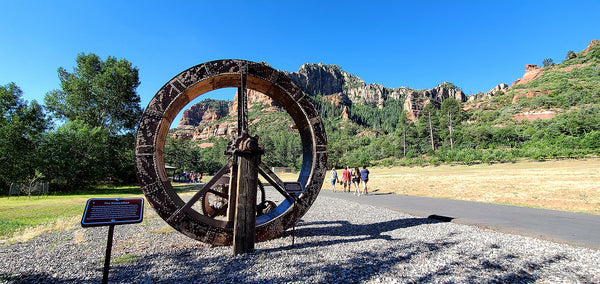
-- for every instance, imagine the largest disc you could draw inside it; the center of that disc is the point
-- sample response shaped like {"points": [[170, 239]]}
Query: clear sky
{"points": [[417, 44]]}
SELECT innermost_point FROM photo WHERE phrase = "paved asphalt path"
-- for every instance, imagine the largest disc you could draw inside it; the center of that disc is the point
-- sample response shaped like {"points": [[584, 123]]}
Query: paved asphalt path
{"points": [[557, 226]]}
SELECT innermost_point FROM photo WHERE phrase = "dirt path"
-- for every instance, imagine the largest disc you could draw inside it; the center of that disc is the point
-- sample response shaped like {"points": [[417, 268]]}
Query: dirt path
{"points": [[566, 185]]}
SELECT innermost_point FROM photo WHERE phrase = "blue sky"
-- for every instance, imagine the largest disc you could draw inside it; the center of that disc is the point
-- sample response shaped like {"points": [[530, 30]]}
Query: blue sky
{"points": [[417, 44]]}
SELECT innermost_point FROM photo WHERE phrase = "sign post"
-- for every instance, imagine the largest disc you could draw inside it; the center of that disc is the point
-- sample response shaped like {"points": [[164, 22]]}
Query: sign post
{"points": [[293, 189], [111, 212]]}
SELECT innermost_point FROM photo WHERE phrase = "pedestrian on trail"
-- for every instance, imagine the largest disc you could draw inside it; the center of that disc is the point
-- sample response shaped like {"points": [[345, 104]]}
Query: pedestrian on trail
{"points": [[356, 180], [334, 179], [364, 176], [346, 179]]}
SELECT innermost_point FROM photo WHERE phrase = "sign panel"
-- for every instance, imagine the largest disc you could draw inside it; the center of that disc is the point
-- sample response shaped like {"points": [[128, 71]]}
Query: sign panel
{"points": [[112, 211], [293, 187]]}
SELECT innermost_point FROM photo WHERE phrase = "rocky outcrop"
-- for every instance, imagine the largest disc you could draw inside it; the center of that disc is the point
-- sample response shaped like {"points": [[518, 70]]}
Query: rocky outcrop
{"points": [[219, 130], [532, 71], [416, 101], [256, 98], [500, 87], [320, 79], [530, 94], [445, 91], [413, 106], [325, 80], [338, 100], [592, 43], [329, 81], [345, 115], [203, 113], [533, 115]]}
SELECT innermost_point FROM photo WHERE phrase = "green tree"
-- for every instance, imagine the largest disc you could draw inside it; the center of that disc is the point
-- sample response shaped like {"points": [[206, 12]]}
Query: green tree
{"points": [[571, 54], [407, 134], [428, 126], [548, 62], [451, 117], [21, 128], [98, 93], [99, 99], [76, 155]]}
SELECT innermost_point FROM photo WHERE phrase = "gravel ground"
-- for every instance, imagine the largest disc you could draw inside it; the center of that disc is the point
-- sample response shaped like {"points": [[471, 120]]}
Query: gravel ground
{"points": [[336, 242]]}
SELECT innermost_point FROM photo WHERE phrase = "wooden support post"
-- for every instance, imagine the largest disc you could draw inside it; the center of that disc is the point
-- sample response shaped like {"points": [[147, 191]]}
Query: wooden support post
{"points": [[233, 181], [245, 207]]}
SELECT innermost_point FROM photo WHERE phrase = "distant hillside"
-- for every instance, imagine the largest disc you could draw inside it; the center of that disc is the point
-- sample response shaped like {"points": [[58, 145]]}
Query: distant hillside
{"points": [[551, 112], [545, 92], [334, 92]]}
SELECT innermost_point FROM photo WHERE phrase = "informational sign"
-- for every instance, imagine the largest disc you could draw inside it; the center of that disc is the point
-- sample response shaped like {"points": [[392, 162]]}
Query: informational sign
{"points": [[293, 187], [112, 211]]}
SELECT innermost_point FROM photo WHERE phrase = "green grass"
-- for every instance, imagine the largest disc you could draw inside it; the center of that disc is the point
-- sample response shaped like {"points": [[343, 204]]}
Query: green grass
{"points": [[20, 213], [17, 214]]}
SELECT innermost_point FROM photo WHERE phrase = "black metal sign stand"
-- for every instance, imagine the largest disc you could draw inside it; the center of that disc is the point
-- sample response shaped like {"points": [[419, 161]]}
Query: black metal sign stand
{"points": [[294, 224], [111, 212], [293, 189], [109, 241]]}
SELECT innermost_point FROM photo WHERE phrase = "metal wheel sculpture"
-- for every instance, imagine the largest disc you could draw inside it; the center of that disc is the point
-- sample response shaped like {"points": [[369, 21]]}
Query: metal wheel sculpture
{"points": [[216, 198]]}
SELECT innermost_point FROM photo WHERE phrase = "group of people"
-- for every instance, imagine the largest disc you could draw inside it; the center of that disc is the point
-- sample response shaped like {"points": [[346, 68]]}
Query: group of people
{"points": [[189, 177], [351, 177]]}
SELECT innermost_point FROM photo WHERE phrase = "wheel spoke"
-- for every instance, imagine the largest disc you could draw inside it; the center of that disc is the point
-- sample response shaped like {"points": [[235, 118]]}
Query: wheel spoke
{"points": [[218, 193], [220, 211], [201, 192], [273, 180]]}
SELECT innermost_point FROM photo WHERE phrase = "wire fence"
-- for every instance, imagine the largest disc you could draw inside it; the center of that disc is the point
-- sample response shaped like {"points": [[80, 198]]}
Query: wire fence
{"points": [[25, 188]]}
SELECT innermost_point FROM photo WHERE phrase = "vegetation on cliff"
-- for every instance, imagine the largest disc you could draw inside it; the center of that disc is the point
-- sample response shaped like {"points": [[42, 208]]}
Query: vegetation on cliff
{"points": [[98, 107], [448, 130]]}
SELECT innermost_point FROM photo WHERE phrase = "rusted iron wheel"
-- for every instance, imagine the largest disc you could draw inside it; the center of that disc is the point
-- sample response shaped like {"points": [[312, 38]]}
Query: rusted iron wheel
{"points": [[215, 200], [193, 82]]}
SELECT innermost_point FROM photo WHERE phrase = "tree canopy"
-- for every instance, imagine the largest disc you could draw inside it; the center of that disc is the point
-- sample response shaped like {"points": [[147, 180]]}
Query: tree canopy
{"points": [[98, 93], [21, 128]]}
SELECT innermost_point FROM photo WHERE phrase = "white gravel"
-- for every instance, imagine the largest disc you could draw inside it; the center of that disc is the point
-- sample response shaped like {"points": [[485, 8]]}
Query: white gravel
{"points": [[336, 242]]}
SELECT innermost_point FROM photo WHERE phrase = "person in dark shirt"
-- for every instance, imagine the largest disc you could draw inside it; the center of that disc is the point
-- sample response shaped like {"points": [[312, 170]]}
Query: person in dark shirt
{"points": [[364, 176], [356, 180]]}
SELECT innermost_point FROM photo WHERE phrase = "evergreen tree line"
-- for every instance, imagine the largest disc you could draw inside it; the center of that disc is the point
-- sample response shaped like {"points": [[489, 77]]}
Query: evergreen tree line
{"points": [[444, 134], [449, 134]]}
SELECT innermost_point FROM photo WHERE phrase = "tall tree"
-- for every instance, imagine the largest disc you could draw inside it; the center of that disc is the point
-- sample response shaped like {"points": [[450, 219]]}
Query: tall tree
{"points": [[98, 93], [401, 130], [451, 116], [21, 128], [98, 99], [77, 155]]}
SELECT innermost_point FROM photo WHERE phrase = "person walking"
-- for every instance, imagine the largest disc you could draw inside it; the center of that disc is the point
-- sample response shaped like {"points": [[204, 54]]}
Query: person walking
{"points": [[356, 180], [334, 179], [346, 179], [364, 176]]}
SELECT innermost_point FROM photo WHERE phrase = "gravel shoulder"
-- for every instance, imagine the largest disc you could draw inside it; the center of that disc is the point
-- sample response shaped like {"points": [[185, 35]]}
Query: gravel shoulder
{"points": [[336, 242]]}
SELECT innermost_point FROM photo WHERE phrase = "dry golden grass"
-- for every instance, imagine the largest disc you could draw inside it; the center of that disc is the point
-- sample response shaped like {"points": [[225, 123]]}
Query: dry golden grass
{"points": [[29, 233], [566, 185]]}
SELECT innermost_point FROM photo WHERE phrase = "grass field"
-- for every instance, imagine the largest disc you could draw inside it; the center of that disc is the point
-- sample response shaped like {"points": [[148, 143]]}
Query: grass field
{"points": [[567, 185]]}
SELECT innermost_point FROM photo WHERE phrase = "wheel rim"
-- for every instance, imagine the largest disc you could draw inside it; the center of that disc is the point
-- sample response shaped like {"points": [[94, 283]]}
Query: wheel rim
{"points": [[200, 79]]}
